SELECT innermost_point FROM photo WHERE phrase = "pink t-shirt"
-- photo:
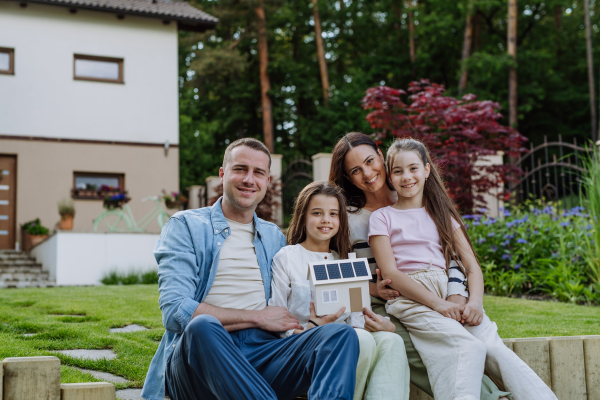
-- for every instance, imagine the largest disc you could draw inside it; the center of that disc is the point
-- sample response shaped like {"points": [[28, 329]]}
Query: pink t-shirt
{"points": [[413, 235]]}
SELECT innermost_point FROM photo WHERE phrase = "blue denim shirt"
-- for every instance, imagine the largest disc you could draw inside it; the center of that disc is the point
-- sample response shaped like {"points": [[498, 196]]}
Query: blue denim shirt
{"points": [[187, 254]]}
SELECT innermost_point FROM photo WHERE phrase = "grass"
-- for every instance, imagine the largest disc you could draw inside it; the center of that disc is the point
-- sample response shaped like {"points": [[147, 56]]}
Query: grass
{"points": [[80, 318]]}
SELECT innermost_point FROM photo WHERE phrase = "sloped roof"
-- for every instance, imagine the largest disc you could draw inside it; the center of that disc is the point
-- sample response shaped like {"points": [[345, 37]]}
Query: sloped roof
{"points": [[187, 16]]}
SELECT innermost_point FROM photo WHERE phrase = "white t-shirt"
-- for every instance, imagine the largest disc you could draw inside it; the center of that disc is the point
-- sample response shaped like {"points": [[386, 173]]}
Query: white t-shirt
{"points": [[238, 283], [290, 287]]}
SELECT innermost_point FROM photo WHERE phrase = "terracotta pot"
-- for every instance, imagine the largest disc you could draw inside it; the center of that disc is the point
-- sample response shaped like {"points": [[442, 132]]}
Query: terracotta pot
{"points": [[66, 222], [29, 241]]}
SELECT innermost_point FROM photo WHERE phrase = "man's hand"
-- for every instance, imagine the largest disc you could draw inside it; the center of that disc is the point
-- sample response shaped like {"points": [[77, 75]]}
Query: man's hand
{"points": [[385, 292], [325, 319], [276, 319], [449, 310], [473, 313], [376, 323]]}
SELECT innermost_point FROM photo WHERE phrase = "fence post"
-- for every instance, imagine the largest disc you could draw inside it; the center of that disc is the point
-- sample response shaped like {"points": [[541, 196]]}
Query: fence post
{"points": [[321, 166], [211, 183], [492, 202], [197, 196], [276, 170]]}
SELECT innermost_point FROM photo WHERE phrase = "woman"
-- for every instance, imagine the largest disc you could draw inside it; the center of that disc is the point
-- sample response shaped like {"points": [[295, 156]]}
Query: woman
{"points": [[358, 167]]}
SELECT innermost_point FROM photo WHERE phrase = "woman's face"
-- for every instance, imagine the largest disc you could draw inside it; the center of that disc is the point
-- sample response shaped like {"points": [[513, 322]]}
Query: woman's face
{"points": [[364, 167]]}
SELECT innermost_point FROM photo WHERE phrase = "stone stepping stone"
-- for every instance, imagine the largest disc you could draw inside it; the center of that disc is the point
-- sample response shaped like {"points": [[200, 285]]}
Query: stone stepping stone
{"points": [[89, 354], [131, 394], [103, 376], [129, 328]]}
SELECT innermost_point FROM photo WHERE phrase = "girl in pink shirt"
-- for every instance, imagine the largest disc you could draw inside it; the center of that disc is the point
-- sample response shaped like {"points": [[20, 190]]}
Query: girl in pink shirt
{"points": [[413, 241]]}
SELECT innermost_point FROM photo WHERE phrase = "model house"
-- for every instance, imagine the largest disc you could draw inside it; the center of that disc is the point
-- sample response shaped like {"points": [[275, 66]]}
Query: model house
{"points": [[88, 97], [340, 283]]}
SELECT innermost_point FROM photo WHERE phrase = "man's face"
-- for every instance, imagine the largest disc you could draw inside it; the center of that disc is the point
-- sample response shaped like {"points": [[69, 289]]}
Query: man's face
{"points": [[245, 178]]}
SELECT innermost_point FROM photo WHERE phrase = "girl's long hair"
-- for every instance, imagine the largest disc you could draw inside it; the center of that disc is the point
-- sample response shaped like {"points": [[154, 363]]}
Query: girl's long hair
{"points": [[296, 233], [437, 202], [354, 196]]}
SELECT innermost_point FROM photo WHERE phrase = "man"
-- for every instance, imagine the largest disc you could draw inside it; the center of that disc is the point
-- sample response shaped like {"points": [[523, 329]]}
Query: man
{"points": [[221, 339]]}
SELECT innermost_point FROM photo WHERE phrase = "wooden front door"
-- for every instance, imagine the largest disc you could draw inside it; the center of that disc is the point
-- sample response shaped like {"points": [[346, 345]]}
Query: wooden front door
{"points": [[8, 209]]}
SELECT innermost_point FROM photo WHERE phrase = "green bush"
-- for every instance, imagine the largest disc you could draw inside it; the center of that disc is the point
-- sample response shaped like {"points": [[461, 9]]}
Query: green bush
{"points": [[130, 278], [150, 277], [35, 227]]}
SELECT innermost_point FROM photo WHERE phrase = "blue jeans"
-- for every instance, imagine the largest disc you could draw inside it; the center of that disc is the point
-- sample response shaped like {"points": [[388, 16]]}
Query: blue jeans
{"points": [[210, 363]]}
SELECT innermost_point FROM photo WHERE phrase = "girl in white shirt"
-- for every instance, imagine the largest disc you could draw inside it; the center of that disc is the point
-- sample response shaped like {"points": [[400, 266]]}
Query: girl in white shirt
{"points": [[319, 231]]}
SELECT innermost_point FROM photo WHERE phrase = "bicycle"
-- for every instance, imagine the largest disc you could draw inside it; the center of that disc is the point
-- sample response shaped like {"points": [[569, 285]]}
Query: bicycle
{"points": [[111, 219]]}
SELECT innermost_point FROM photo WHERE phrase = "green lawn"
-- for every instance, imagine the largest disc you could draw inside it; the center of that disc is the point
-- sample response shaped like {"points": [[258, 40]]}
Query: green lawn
{"points": [[80, 317]]}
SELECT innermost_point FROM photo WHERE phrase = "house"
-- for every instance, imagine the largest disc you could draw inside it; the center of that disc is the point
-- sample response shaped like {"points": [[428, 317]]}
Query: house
{"points": [[88, 97], [340, 283]]}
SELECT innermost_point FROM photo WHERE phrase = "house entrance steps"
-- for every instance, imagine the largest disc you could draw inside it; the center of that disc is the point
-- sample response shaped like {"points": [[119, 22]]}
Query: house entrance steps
{"points": [[18, 269]]}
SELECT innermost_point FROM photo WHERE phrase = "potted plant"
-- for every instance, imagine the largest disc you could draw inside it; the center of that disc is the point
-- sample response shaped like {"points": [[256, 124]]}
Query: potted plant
{"points": [[115, 201], [66, 209], [174, 199], [33, 233]]}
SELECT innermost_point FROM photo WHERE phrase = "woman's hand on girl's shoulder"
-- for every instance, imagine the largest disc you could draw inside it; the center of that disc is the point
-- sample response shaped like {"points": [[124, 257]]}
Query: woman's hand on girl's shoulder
{"points": [[377, 323], [325, 319], [473, 313]]}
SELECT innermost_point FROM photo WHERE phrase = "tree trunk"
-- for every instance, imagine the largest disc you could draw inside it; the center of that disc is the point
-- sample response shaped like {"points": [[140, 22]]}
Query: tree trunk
{"points": [[512, 52], [590, 64], [466, 52], [321, 53], [411, 33], [558, 22], [476, 32], [265, 84]]}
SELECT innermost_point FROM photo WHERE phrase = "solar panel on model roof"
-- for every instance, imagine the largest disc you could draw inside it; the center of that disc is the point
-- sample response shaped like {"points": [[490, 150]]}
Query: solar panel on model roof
{"points": [[360, 268], [334, 271], [320, 273]]}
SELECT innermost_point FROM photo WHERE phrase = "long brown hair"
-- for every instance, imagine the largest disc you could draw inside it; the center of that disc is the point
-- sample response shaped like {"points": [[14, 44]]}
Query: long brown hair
{"points": [[354, 196], [437, 202], [296, 233]]}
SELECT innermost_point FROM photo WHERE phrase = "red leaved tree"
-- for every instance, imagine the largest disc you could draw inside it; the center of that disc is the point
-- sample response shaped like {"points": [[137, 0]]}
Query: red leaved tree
{"points": [[458, 132]]}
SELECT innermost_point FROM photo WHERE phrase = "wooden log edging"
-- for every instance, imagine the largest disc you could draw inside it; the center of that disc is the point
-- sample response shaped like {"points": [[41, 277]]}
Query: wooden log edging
{"points": [[569, 365]]}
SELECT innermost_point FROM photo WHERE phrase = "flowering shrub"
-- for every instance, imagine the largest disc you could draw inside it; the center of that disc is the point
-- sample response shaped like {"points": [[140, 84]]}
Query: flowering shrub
{"points": [[35, 227], [173, 196], [535, 249], [458, 132], [115, 201]]}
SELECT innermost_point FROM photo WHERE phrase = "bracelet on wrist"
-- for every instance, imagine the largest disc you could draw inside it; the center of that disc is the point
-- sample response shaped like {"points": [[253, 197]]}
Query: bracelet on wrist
{"points": [[313, 322]]}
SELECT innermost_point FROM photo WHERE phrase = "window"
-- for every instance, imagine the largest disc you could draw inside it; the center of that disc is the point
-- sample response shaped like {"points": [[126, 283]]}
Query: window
{"points": [[101, 69], [93, 185], [7, 61]]}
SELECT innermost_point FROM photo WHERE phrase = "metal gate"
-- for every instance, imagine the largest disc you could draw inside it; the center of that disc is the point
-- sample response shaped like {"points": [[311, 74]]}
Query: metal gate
{"points": [[552, 172], [297, 174]]}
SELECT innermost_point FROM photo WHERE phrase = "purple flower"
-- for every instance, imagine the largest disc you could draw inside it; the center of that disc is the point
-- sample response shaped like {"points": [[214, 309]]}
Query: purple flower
{"points": [[566, 223], [517, 266], [506, 256], [468, 216], [507, 213], [589, 226], [476, 223], [489, 222], [521, 241], [493, 248], [507, 236], [481, 240], [491, 234], [505, 243]]}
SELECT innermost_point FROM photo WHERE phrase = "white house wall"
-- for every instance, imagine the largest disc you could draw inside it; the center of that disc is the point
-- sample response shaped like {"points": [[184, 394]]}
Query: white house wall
{"points": [[43, 99], [85, 258]]}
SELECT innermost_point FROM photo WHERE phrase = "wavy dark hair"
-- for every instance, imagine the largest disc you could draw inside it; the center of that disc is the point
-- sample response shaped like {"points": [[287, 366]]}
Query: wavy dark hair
{"points": [[436, 200], [354, 196], [296, 233]]}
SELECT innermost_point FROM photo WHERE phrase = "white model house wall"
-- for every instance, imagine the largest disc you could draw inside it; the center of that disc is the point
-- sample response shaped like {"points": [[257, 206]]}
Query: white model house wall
{"points": [[85, 258], [43, 99]]}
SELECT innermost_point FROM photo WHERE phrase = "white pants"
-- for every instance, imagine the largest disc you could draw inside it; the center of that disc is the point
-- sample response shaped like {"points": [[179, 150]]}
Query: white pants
{"points": [[382, 371], [455, 355]]}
